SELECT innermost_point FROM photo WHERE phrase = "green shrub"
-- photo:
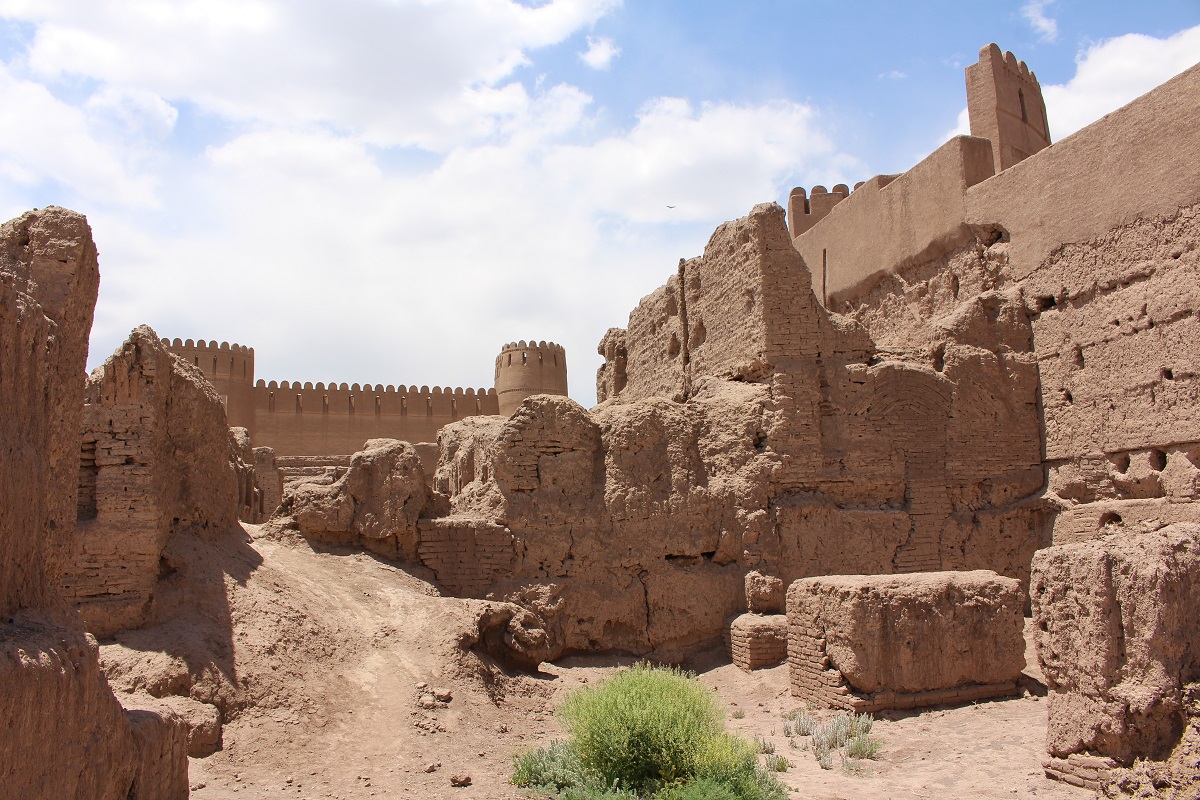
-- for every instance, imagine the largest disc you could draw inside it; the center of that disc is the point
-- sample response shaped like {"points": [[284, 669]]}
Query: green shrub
{"points": [[643, 727], [733, 762], [863, 746], [595, 791], [646, 731], [553, 768], [777, 763], [700, 789]]}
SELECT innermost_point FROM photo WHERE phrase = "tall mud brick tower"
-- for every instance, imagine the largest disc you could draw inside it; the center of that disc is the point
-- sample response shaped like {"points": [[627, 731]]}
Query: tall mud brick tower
{"points": [[1004, 102], [527, 369]]}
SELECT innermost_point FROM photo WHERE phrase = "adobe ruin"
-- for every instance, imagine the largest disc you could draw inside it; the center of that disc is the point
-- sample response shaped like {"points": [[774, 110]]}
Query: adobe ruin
{"points": [[919, 406]]}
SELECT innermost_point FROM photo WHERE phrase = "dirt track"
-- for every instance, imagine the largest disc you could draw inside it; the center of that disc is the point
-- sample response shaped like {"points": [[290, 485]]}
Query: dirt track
{"points": [[354, 726]]}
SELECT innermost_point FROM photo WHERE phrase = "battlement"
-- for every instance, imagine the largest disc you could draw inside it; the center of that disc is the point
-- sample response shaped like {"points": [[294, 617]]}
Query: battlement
{"points": [[549, 347], [177, 345], [528, 368], [378, 388], [806, 209], [294, 397], [1004, 102], [218, 361]]}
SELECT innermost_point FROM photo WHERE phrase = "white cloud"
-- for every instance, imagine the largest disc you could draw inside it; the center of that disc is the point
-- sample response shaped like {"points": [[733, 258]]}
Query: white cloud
{"points": [[893, 75], [45, 140], [600, 53], [335, 267], [407, 72], [1113, 72], [962, 126], [375, 192], [1045, 27]]}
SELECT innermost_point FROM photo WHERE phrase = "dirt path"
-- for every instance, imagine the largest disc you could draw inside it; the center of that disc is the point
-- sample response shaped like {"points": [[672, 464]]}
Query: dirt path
{"points": [[356, 727]]}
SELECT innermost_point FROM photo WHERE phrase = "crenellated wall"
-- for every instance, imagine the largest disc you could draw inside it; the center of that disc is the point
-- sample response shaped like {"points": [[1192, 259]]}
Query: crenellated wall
{"points": [[805, 210], [299, 419], [524, 369], [230, 369], [1005, 106]]}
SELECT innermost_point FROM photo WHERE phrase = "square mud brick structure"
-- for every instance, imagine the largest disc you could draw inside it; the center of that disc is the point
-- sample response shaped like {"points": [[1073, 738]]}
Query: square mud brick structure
{"points": [[757, 641], [1118, 638], [872, 642]]}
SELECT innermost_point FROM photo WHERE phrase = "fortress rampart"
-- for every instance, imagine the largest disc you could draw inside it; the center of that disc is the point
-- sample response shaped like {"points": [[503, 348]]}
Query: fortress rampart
{"points": [[1073, 191], [1097, 232], [319, 419], [302, 418]]}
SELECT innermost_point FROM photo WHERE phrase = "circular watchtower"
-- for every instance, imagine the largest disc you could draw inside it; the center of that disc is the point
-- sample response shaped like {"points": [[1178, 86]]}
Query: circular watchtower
{"points": [[524, 369]]}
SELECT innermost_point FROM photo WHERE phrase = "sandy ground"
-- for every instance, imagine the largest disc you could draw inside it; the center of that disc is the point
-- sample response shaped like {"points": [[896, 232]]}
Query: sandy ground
{"points": [[356, 728]]}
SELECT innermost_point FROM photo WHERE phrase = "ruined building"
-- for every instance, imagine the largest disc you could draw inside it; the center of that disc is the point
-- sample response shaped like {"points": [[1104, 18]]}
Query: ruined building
{"points": [[866, 436]]}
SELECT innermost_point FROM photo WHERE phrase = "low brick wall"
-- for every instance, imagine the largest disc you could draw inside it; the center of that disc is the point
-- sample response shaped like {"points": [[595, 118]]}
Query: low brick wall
{"points": [[467, 556], [757, 641], [1086, 772], [872, 642]]}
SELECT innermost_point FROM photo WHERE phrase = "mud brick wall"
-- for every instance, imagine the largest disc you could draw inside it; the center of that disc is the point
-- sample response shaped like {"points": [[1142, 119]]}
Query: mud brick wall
{"points": [[122, 525], [757, 641], [904, 641], [467, 557], [1115, 325], [1117, 626]]}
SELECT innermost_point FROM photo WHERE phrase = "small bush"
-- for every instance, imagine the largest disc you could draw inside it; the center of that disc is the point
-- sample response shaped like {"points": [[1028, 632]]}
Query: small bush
{"points": [[737, 713], [647, 732], [863, 746], [777, 763], [643, 727], [805, 725], [553, 768], [763, 745], [700, 789], [849, 736], [596, 791]]}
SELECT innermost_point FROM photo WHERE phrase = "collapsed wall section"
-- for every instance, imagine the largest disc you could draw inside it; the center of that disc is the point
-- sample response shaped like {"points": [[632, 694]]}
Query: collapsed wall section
{"points": [[867, 643], [1117, 640]]}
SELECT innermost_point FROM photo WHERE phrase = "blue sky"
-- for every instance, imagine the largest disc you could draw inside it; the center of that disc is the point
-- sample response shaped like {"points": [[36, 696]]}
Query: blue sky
{"points": [[386, 191]]}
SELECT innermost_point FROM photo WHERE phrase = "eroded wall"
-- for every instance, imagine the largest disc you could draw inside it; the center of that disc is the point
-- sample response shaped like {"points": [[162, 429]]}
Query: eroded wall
{"points": [[746, 428], [156, 457], [63, 734]]}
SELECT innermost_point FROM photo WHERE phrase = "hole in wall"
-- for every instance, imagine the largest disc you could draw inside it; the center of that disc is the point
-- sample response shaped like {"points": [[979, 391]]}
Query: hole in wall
{"points": [[1067, 397], [1110, 518], [673, 346], [1120, 462], [1166, 374], [699, 334], [1046, 303], [939, 357], [954, 286], [1157, 459]]}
